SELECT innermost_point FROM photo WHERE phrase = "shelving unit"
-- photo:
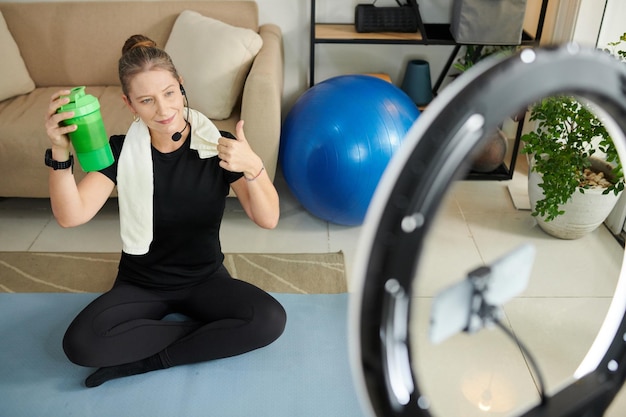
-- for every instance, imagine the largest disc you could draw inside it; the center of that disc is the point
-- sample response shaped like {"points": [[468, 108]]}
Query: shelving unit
{"points": [[432, 34]]}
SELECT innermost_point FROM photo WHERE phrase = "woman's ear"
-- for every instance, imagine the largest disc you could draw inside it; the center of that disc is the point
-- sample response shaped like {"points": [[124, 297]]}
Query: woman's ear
{"points": [[128, 104], [130, 107]]}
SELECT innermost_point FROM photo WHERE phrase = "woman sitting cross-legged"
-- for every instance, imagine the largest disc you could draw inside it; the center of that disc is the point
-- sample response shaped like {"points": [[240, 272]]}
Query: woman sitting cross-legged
{"points": [[173, 171]]}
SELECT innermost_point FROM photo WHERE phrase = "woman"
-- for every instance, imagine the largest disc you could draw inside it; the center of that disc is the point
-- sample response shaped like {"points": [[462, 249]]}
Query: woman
{"points": [[172, 263]]}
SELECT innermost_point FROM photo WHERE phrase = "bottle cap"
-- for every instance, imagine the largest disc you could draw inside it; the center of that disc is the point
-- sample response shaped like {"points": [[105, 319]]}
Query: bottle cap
{"points": [[80, 103]]}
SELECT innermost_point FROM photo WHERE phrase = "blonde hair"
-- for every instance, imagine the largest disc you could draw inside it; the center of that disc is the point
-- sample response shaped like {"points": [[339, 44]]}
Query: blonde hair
{"points": [[140, 54]]}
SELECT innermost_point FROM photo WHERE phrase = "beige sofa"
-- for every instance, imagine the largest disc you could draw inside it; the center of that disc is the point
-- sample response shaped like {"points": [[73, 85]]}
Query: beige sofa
{"points": [[67, 44]]}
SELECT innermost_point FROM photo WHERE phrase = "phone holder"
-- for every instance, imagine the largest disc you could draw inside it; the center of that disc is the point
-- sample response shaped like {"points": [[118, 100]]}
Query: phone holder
{"points": [[476, 302]]}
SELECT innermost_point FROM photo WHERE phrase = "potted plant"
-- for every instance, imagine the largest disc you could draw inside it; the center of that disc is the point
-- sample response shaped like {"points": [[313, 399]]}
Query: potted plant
{"points": [[571, 155]]}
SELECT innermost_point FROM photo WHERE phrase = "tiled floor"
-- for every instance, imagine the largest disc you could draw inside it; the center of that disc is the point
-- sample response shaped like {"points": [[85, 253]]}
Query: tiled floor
{"points": [[557, 317]]}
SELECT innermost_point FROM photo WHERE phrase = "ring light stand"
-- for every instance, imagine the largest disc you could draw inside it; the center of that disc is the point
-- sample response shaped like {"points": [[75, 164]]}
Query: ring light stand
{"points": [[436, 152]]}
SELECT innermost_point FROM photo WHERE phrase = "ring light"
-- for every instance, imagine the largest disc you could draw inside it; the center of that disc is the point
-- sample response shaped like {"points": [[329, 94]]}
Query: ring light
{"points": [[436, 152]]}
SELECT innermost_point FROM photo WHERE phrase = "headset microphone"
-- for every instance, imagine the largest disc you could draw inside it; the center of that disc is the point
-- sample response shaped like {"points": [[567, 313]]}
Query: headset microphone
{"points": [[178, 135]]}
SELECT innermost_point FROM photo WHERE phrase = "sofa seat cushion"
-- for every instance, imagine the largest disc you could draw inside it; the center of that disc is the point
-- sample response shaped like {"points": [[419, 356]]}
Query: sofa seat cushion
{"points": [[213, 58], [15, 78]]}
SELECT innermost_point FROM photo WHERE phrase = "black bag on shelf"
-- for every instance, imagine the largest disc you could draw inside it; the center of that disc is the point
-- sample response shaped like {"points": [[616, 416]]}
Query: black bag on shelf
{"points": [[406, 18]]}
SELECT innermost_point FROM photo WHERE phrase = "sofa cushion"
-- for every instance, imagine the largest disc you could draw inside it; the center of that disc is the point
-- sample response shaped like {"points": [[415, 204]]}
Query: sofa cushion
{"points": [[15, 79], [213, 58]]}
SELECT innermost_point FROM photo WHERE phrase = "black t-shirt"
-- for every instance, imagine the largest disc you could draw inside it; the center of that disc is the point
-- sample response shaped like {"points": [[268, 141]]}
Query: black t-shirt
{"points": [[189, 199]]}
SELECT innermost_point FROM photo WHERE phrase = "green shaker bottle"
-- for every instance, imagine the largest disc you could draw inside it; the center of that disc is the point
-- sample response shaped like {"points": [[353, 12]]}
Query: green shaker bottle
{"points": [[90, 139]]}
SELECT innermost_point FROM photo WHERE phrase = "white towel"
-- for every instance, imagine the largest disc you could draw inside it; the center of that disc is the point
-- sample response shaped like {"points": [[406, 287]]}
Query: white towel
{"points": [[135, 178]]}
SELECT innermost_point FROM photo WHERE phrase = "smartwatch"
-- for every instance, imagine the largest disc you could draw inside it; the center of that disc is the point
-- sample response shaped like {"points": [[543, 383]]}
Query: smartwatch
{"points": [[56, 164]]}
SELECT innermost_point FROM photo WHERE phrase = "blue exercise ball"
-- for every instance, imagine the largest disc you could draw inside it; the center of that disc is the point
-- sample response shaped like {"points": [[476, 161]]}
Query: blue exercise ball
{"points": [[338, 139]]}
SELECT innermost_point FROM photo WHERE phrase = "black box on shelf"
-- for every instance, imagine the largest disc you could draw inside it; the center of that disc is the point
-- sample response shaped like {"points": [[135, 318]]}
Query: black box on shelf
{"points": [[405, 18]]}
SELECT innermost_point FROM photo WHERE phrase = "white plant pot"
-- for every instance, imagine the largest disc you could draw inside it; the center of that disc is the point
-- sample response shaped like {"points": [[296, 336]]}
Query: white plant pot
{"points": [[583, 212]]}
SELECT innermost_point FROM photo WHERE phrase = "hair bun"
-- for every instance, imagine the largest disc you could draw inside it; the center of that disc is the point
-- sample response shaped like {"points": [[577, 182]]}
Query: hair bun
{"points": [[138, 41]]}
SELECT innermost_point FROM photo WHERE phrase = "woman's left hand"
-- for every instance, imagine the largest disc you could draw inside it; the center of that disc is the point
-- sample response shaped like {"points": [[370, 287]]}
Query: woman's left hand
{"points": [[236, 155]]}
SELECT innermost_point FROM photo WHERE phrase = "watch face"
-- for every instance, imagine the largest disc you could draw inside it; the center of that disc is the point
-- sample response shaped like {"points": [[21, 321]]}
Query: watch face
{"points": [[463, 305]]}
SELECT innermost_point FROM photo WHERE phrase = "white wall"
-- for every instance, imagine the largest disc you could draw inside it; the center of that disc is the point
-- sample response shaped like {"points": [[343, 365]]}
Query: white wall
{"points": [[613, 24], [589, 20]]}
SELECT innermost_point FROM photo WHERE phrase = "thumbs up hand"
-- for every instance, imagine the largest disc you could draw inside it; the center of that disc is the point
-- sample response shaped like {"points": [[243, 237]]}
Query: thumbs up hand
{"points": [[236, 155]]}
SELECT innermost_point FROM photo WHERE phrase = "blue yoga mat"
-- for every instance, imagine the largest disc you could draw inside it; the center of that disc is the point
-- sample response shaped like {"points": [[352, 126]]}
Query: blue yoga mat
{"points": [[304, 373]]}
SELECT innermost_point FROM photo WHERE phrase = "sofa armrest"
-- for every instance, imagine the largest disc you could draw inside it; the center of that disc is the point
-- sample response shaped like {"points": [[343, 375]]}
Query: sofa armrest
{"points": [[262, 98]]}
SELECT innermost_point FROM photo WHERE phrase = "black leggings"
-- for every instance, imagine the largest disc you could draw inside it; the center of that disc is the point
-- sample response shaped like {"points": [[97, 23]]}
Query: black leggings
{"points": [[225, 317]]}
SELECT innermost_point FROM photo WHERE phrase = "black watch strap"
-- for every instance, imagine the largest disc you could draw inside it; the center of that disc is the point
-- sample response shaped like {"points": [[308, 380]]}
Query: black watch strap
{"points": [[56, 164]]}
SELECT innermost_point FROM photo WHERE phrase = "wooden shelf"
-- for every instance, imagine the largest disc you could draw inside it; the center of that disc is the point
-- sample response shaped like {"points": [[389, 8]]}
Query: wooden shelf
{"points": [[325, 32]]}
